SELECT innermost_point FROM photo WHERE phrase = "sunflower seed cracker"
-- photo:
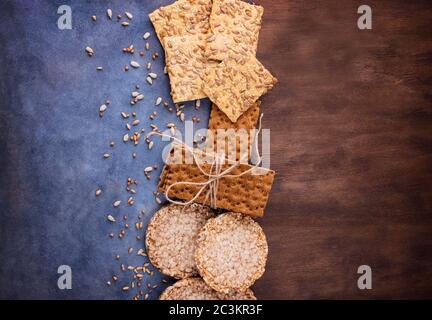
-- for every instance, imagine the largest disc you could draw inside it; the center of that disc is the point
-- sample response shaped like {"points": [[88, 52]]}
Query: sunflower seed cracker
{"points": [[186, 63], [183, 17], [236, 83]]}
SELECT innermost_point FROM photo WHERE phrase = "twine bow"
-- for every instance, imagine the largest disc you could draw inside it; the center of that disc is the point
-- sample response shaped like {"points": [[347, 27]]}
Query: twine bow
{"points": [[215, 173]]}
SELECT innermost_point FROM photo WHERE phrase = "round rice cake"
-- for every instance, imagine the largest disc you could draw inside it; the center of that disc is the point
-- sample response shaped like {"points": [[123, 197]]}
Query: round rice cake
{"points": [[231, 252], [171, 238], [197, 289]]}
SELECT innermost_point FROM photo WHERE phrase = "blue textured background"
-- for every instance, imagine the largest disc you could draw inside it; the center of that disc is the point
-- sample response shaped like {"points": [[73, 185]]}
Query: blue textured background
{"points": [[52, 141]]}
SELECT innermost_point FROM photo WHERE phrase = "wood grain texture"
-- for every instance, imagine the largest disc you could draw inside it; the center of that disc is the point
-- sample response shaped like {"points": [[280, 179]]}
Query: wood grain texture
{"points": [[351, 133]]}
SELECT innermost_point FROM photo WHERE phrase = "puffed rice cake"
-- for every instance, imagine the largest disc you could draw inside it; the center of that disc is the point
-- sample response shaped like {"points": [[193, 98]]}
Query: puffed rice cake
{"points": [[197, 289], [231, 252], [171, 238]]}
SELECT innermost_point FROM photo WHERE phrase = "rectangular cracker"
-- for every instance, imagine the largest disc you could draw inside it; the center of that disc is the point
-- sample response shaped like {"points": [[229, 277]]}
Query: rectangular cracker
{"points": [[247, 194], [246, 122], [235, 25], [186, 64], [182, 17], [236, 83]]}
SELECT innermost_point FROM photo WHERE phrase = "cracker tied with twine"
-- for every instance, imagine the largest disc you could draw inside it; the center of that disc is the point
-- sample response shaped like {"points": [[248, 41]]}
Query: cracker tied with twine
{"points": [[214, 180], [243, 192], [235, 27]]}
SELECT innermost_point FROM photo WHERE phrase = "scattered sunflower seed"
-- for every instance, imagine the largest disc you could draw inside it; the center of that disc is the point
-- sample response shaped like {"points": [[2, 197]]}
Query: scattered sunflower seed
{"points": [[102, 108], [135, 64], [149, 80], [129, 15], [125, 24], [148, 169], [110, 218], [150, 145], [158, 101], [93, 18], [158, 201], [135, 94], [98, 192], [106, 155], [147, 46], [89, 51], [116, 203], [152, 75], [109, 13], [124, 115], [126, 138], [146, 35], [135, 122], [165, 70], [140, 97], [99, 68]]}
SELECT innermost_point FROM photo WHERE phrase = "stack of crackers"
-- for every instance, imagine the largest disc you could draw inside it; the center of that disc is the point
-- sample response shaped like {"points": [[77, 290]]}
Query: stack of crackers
{"points": [[210, 51]]}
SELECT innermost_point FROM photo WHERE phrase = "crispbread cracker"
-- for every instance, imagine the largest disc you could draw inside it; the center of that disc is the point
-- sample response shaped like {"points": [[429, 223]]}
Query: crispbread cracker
{"points": [[186, 64], [247, 194], [171, 236], [236, 83], [246, 122], [183, 17], [197, 289], [231, 252], [235, 25]]}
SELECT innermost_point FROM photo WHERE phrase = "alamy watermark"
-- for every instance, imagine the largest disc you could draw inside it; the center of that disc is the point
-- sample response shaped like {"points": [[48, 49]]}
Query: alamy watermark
{"points": [[65, 280], [365, 280], [364, 22], [229, 145]]}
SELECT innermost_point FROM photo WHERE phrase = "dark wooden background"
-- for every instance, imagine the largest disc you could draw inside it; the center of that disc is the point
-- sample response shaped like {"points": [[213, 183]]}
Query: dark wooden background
{"points": [[351, 132]]}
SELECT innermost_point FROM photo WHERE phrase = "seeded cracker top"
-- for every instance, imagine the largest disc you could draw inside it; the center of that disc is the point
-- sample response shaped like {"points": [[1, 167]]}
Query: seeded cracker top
{"points": [[183, 17], [196, 289], [171, 236], [236, 83], [186, 63], [235, 25], [231, 252]]}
